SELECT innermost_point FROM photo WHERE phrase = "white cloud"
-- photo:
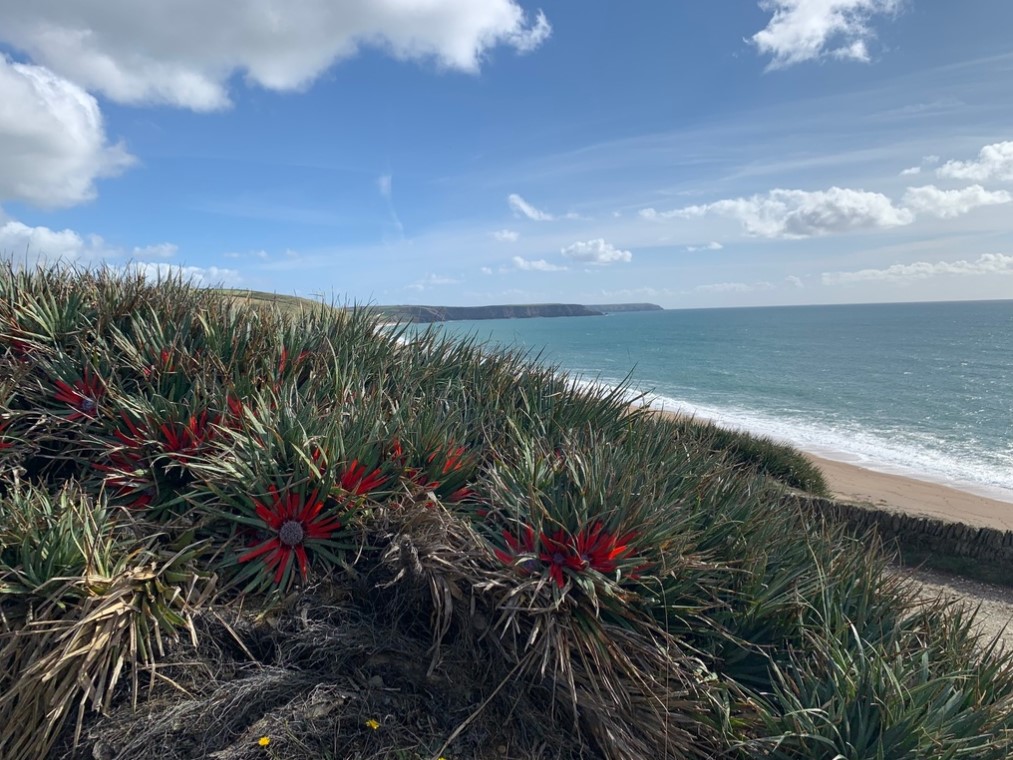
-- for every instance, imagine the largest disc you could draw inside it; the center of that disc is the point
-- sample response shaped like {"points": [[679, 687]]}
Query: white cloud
{"points": [[41, 244], [185, 52], [53, 138], [596, 252], [711, 246], [195, 275], [160, 251], [947, 204], [536, 265], [432, 281], [800, 214], [525, 39], [806, 30], [506, 236], [989, 263], [794, 281], [486, 270], [383, 184], [910, 172], [994, 162], [521, 206], [733, 287]]}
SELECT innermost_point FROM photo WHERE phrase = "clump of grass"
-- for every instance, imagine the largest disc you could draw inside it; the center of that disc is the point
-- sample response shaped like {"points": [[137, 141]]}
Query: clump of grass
{"points": [[780, 461], [417, 547]]}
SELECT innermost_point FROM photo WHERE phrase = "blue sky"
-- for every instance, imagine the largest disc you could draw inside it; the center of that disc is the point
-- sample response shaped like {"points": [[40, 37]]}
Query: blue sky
{"points": [[685, 152]]}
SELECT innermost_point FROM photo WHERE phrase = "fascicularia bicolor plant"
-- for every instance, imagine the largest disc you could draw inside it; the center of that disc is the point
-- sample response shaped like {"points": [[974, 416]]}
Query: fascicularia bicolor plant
{"points": [[147, 462], [79, 398], [290, 525], [285, 531], [562, 554], [431, 465]]}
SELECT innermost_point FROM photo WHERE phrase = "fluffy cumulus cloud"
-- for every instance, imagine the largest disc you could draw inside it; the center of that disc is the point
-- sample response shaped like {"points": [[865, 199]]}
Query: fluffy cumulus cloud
{"points": [[795, 282], [995, 162], [806, 30], [185, 52], [536, 265], [986, 264], [947, 204], [596, 252], [506, 236], [27, 245], [41, 244], [800, 213], [53, 138]]}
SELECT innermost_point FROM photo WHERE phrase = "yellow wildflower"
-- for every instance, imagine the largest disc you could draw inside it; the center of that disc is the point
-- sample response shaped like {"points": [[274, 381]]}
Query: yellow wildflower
{"points": [[263, 741], [373, 723]]}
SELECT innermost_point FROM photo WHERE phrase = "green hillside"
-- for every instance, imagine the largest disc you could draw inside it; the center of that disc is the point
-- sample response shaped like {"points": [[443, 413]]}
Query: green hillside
{"points": [[259, 298]]}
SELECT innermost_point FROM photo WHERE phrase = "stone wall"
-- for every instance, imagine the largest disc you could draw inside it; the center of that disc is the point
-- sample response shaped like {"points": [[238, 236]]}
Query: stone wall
{"points": [[921, 534]]}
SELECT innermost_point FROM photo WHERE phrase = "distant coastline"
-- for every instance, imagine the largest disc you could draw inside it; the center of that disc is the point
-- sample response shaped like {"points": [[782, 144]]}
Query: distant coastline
{"points": [[421, 313], [413, 313]]}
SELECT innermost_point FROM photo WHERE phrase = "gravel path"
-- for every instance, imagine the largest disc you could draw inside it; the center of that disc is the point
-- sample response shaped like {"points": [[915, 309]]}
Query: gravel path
{"points": [[996, 612]]}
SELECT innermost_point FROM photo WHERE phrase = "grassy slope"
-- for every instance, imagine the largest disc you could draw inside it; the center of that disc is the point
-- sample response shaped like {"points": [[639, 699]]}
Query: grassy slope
{"points": [[496, 564], [259, 298]]}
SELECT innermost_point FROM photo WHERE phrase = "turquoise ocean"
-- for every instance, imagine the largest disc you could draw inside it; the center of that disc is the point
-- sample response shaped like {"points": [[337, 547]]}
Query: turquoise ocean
{"points": [[917, 389]]}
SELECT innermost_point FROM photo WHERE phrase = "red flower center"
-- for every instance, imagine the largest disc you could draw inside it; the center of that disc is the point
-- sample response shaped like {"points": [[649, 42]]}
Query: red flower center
{"points": [[291, 533]]}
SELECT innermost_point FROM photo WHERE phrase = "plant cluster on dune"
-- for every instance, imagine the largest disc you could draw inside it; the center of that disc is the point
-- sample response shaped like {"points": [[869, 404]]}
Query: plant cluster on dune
{"points": [[236, 533]]}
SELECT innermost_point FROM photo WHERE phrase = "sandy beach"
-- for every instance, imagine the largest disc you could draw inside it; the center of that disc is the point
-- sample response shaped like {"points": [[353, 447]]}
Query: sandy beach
{"points": [[850, 482]]}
